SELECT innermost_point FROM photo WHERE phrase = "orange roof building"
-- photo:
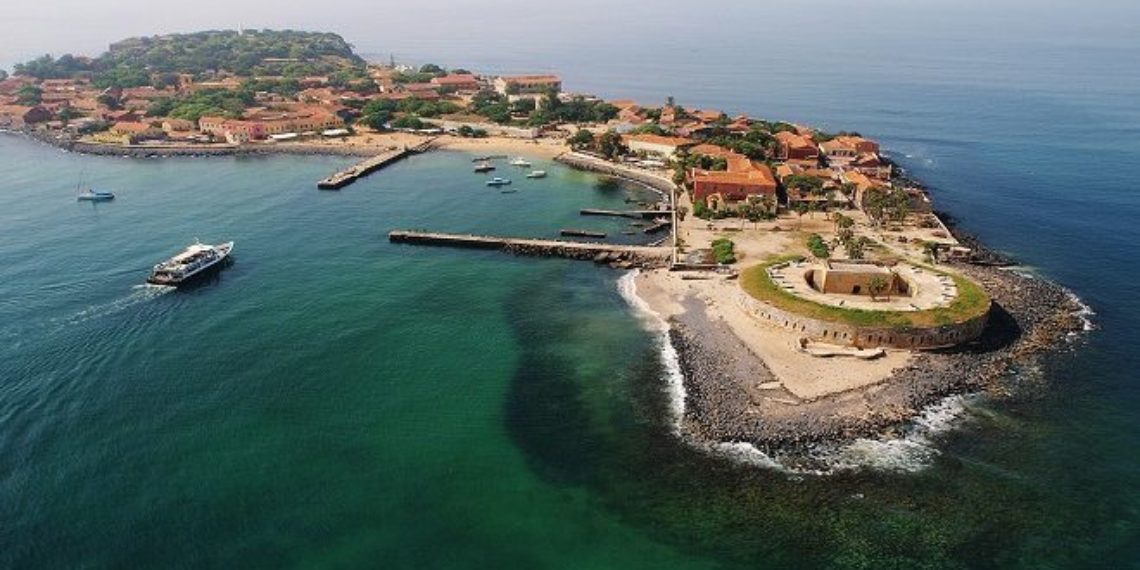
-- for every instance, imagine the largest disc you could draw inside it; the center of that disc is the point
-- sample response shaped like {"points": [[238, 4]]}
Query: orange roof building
{"points": [[794, 146], [742, 179], [657, 144]]}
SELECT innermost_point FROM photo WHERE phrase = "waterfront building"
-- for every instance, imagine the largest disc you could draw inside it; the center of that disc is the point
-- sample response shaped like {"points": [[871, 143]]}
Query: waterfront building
{"points": [[459, 82], [533, 84], [133, 132], [743, 180], [843, 150], [658, 145], [794, 146]]}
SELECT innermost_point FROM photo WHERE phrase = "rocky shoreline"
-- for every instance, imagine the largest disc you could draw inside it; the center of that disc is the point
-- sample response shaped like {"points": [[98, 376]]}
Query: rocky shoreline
{"points": [[165, 151], [725, 400]]}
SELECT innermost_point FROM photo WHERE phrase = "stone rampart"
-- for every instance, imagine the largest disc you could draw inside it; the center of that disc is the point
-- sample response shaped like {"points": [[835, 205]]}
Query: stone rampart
{"points": [[866, 336]]}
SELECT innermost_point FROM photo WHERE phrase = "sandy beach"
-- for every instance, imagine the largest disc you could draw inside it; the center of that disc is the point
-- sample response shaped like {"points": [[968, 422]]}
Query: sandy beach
{"points": [[536, 148]]}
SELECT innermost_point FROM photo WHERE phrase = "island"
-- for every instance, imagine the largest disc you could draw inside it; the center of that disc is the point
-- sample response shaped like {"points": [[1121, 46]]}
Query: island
{"points": [[809, 288]]}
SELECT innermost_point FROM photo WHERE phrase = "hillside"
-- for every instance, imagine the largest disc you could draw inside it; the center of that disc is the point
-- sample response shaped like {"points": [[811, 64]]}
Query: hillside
{"points": [[133, 61]]}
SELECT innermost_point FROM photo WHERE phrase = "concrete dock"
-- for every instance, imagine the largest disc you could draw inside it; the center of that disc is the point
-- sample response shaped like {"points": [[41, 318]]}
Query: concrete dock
{"points": [[633, 214], [349, 175], [617, 255]]}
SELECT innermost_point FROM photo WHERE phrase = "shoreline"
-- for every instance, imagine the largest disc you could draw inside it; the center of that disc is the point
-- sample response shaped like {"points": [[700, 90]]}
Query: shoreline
{"points": [[360, 145], [729, 403]]}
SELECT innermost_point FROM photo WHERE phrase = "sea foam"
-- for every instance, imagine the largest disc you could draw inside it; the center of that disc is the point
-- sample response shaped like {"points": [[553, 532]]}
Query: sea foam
{"points": [[912, 451]]}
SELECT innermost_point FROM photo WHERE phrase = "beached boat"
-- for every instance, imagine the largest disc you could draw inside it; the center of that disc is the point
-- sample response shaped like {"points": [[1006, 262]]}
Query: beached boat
{"points": [[536, 174], [496, 181], [519, 161], [195, 260], [484, 167], [93, 195]]}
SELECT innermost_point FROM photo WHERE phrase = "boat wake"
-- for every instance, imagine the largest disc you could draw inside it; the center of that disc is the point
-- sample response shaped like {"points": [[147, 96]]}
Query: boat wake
{"points": [[912, 451], [139, 294]]}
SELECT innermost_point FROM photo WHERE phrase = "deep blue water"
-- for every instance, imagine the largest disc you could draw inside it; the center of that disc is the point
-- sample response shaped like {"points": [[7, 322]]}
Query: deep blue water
{"points": [[313, 448]]}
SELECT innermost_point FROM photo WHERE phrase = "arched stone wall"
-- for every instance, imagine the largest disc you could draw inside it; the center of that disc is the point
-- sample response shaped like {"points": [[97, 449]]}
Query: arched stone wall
{"points": [[866, 337]]}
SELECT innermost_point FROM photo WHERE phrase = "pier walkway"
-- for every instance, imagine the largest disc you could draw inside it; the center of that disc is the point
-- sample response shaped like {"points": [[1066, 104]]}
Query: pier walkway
{"points": [[351, 174], [617, 255], [634, 214]]}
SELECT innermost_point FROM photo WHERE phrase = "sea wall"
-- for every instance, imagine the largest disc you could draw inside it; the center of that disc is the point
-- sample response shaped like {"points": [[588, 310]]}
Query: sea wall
{"points": [[66, 143], [867, 337], [589, 163], [150, 151]]}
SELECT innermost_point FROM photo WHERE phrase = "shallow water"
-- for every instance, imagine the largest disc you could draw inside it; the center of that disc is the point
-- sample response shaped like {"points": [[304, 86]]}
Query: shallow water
{"points": [[333, 400]]}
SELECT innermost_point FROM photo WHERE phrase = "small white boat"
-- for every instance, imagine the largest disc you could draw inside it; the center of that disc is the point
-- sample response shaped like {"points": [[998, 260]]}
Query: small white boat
{"points": [[484, 167], [496, 181], [519, 161], [536, 174], [93, 195]]}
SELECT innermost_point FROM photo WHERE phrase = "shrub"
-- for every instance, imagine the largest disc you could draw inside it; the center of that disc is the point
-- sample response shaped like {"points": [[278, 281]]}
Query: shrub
{"points": [[817, 246], [724, 251]]}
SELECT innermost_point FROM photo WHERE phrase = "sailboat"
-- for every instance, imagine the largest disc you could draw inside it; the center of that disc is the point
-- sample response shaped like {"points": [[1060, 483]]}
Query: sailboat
{"points": [[91, 194]]}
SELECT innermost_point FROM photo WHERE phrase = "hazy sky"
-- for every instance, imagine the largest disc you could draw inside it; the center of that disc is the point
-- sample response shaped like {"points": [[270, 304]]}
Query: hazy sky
{"points": [[442, 29]]}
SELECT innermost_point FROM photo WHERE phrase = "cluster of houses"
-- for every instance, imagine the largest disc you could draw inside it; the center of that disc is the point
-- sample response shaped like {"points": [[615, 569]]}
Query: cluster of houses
{"points": [[319, 108], [846, 166]]}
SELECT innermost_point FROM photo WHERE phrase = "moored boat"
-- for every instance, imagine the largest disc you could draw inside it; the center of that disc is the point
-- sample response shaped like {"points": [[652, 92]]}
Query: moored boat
{"points": [[195, 260], [519, 161], [93, 195], [496, 181], [484, 167], [536, 174]]}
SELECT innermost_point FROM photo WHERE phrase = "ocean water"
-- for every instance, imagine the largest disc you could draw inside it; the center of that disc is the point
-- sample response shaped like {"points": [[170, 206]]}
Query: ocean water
{"points": [[332, 400]]}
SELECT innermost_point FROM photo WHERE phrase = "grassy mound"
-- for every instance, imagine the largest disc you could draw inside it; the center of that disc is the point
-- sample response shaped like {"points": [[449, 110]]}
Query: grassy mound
{"points": [[971, 302]]}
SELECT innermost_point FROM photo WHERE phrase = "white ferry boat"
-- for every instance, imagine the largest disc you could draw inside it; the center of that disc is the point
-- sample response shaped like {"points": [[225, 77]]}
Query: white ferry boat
{"points": [[194, 260]]}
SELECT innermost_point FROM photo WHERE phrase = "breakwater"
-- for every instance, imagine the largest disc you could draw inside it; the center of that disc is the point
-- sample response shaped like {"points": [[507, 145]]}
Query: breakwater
{"points": [[632, 214], [357, 171], [592, 164], [622, 256]]}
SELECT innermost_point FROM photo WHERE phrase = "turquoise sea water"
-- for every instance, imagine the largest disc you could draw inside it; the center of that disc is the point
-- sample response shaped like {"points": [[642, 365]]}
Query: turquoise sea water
{"points": [[332, 400]]}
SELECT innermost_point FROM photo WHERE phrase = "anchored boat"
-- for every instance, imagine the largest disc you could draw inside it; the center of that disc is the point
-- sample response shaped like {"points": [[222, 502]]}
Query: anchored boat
{"points": [[93, 195], [536, 174], [192, 261], [484, 167], [519, 161], [496, 181]]}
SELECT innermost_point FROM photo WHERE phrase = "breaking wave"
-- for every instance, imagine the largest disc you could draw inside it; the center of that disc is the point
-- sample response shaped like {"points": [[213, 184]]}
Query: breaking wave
{"points": [[912, 451]]}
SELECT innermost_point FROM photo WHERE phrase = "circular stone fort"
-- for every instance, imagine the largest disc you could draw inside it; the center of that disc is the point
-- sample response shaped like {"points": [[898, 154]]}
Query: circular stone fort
{"points": [[867, 304]]}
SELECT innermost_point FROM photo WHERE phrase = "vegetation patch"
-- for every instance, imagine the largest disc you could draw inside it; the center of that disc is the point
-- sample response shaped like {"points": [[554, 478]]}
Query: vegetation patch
{"points": [[971, 302], [724, 251]]}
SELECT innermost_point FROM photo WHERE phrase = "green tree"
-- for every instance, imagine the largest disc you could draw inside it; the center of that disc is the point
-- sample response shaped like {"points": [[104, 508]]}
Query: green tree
{"points": [[582, 139], [855, 247], [876, 286], [67, 114], [800, 209], [610, 145], [29, 95], [109, 101]]}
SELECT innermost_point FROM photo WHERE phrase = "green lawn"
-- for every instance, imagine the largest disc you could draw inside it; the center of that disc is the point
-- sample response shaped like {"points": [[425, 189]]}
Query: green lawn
{"points": [[971, 302]]}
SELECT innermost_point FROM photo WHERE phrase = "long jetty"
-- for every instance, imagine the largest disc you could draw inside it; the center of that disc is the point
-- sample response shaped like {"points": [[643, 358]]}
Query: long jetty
{"points": [[634, 214], [613, 254], [351, 174]]}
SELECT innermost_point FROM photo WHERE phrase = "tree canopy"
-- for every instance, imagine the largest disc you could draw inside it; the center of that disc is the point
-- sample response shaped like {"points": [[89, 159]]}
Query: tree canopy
{"points": [[132, 62]]}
